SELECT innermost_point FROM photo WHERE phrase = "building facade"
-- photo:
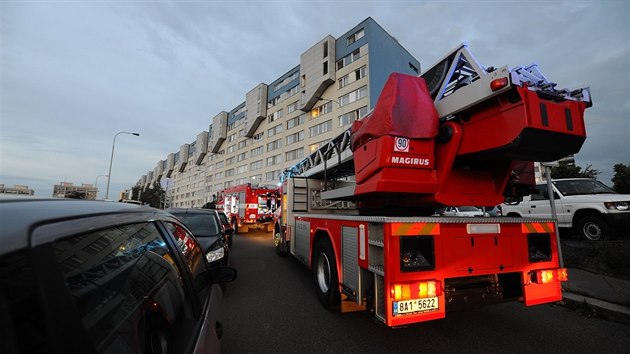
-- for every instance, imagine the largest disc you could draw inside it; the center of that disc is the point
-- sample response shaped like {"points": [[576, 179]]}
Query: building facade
{"points": [[17, 189], [337, 81], [69, 190]]}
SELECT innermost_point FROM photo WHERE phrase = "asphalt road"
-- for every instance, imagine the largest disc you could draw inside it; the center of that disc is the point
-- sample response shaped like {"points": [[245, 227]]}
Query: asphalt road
{"points": [[272, 308]]}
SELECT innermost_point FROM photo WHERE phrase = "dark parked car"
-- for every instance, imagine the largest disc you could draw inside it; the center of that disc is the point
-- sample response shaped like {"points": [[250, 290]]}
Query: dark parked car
{"points": [[229, 229], [81, 276], [206, 227]]}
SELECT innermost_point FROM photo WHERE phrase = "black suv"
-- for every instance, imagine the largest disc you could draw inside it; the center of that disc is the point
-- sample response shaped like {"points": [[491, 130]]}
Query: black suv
{"points": [[82, 276]]}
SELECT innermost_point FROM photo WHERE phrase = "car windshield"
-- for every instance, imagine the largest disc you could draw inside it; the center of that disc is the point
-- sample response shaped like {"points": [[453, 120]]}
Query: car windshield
{"points": [[223, 218], [582, 186], [201, 225], [468, 208]]}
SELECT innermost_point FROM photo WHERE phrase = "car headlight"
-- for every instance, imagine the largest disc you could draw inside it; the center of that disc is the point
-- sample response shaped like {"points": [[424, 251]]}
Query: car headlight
{"points": [[621, 206], [215, 255]]}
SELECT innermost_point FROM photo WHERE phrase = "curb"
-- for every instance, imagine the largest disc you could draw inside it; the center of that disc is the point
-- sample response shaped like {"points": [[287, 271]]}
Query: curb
{"points": [[605, 309]]}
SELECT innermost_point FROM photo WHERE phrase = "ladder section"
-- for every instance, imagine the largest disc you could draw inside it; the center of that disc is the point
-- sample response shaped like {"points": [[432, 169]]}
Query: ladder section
{"points": [[331, 161], [457, 82], [300, 194]]}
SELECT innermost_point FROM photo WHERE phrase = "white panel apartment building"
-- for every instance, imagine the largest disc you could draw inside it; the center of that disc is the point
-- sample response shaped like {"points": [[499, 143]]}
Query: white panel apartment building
{"points": [[337, 81]]}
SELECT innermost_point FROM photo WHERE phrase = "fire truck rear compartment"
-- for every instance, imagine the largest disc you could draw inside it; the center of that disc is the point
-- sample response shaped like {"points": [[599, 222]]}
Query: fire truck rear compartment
{"points": [[476, 291]]}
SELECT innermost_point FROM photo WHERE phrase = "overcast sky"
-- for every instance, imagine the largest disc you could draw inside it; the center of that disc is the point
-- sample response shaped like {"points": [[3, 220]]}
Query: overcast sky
{"points": [[74, 73]]}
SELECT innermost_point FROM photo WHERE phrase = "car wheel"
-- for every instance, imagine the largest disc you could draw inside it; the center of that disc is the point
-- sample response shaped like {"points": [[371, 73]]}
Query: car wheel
{"points": [[593, 228], [279, 243], [234, 226], [325, 274]]}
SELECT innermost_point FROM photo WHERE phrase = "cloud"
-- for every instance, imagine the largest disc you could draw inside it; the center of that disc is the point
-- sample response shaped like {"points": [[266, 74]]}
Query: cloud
{"points": [[74, 74]]}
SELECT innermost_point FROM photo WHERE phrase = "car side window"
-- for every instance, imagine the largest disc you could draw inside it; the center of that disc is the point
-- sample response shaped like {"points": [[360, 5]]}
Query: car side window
{"points": [[126, 285], [193, 254], [21, 326], [540, 194]]}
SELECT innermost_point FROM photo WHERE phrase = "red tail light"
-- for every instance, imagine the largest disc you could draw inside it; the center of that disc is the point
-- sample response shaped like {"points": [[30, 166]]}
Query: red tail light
{"points": [[550, 276], [498, 84]]}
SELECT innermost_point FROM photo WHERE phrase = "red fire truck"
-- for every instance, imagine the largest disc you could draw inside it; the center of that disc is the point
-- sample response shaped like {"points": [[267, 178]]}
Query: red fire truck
{"points": [[359, 211], [248, 207]]}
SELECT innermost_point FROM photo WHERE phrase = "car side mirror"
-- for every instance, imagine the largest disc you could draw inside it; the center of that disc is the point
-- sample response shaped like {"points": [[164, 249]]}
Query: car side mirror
{"points": [[229, 231]]}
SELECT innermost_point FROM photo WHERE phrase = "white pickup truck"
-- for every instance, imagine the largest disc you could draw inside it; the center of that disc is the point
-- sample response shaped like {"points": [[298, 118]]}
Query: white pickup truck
{"points": [[593, 210]]}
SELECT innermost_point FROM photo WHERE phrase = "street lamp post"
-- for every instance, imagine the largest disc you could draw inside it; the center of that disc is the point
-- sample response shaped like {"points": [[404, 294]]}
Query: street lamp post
{"points": [[96, 183], [111, 159]]}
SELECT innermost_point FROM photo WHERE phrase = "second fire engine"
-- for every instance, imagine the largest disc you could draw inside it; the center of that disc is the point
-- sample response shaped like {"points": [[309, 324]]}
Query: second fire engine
{"points": [[248, 207]]}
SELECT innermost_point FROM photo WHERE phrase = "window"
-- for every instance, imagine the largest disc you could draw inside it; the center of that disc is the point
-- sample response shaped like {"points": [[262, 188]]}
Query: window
{"points": [[242, 144], [219, 164], [360, 72], [229, 161], [241, 169], [273, 160], [21, 306], [314, 147], [325, 49], [256, 165], [277, 144], [294, 122], [348, 59], [273, 102], [294, 154], [218, 175], [413, 67], [230, 149], [257, 151], [295, 137], [292, 107], [321, 128], [231, 138], [325, 68], [272, 176], [258, 136], [350, 117], [353, 96], [275, 116], [323, 109], [275, 130], [103, 271], [345, 80], [241, 157], [229, 173], [356, 36]]}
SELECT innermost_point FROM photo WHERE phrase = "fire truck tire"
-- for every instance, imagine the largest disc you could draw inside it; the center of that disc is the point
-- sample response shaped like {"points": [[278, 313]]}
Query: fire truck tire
{"points": [[281, 247], [325, 274]]}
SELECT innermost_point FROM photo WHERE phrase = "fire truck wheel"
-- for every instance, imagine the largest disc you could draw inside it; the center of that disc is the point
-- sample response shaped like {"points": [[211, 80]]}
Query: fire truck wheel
{"points": [[325, 273], [281, 247]]}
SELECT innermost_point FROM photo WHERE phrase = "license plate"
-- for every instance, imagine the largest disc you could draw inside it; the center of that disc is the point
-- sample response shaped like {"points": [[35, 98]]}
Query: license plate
{"points": [[416, 305]]}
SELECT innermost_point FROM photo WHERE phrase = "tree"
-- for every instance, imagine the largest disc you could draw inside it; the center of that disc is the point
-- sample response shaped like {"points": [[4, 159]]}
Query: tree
{"points": [[212, 204], [152, 195], [135, 192], [567, 170], [621, 179]]}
